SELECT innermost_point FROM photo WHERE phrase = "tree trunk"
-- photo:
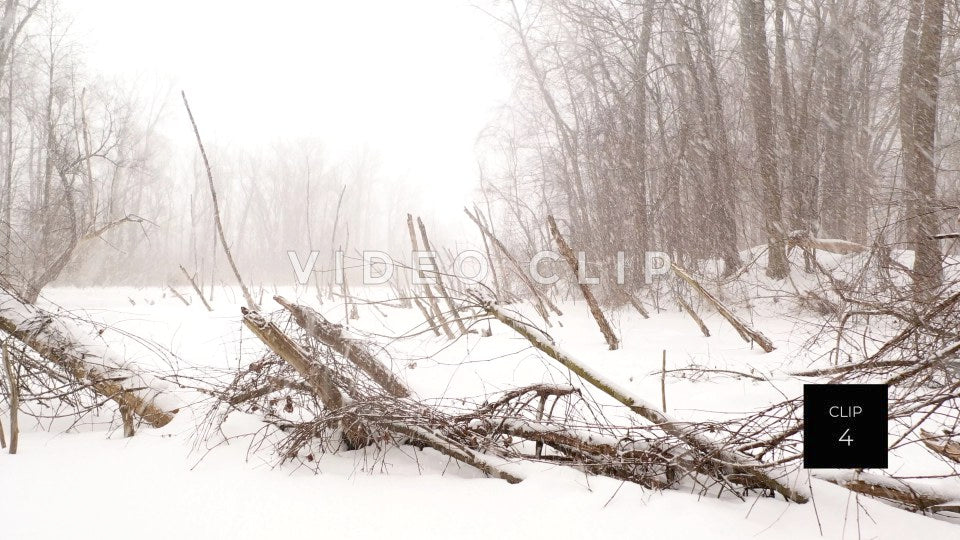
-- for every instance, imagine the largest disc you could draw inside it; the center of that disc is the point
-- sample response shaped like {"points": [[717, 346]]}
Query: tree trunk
{"points": [[571, 258], [757, 61], [333, 336], [741, 467], [927, 265], [251, 304], [58, 342]]}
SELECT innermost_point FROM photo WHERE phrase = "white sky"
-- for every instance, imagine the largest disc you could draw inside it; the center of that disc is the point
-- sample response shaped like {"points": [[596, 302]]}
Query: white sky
{"points": [[413, 80]]}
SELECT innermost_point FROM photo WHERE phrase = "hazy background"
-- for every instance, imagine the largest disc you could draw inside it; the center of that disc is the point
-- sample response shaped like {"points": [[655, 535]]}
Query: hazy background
{"points": [[411, 82]]}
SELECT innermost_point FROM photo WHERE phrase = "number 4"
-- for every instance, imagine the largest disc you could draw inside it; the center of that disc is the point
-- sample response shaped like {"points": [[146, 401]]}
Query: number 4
{"points": [[846, 437]]}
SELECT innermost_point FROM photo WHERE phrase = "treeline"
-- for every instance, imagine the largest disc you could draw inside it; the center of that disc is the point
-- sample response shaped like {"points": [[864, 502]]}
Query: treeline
{"points": [[101, 182], [704, 127]]}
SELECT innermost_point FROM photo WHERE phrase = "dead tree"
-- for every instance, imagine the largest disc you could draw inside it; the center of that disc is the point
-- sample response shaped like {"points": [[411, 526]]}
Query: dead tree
{"points": [[738, 467], [692, 313], [358, 425], [571, 258], [251, 304], [541, 300], [893, 490], [431, 299], [196, 289], [113, 378], [440, 286], [317, 377], [333, 335], [746, 332]]}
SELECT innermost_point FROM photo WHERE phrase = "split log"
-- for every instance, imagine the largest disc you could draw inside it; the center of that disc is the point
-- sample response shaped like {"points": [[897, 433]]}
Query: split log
{"points": [[61, 342], [736, 467], [317, 376], [746, 332], [948, 448], [612, 341], [333, 336]]}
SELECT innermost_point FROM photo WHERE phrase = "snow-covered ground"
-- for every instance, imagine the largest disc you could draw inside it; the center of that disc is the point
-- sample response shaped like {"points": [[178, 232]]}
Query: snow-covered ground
{"points": [[89, 482]]}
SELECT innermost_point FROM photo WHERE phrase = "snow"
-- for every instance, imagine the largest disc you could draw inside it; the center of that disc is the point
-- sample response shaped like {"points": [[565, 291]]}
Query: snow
{"points": [[90, 482]]}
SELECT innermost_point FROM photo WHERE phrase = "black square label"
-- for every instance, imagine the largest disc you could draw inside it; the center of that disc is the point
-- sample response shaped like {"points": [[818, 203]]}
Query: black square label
{"points": [[844, 426]]}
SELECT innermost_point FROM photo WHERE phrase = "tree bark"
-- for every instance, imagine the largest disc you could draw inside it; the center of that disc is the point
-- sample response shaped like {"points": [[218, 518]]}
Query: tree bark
{"points": [[317, 376], [927, 267], [757, 62], [332, 335]]}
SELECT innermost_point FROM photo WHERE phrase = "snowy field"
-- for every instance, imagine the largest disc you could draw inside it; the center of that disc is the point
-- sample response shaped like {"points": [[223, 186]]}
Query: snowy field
{"points": [[87, 481]]}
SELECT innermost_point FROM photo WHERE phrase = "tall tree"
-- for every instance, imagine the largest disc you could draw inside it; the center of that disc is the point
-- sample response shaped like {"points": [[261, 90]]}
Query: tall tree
{"points": [[921, 176], [757, 61]]}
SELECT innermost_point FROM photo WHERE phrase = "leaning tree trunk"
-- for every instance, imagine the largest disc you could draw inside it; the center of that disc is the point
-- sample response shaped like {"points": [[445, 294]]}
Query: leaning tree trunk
{"points": [[333, 335], [737, 466], [61, 342], [611, 338]]}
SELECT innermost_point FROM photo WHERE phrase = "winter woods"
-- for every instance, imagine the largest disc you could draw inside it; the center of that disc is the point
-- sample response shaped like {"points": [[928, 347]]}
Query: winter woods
{"points": [[704, 127], [710, 204]]}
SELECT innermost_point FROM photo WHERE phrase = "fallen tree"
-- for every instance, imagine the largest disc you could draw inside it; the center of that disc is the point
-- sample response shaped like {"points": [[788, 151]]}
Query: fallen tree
{"points": [[739, 468], [748, 334], [85, 359], [911, 495], [310, 385], [365, 417], [608, 335], [808, 242], [334, 336]]}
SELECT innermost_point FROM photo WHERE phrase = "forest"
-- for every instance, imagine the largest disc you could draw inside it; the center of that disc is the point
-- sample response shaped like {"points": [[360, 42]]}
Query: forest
{"points": [[680, 222]]}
